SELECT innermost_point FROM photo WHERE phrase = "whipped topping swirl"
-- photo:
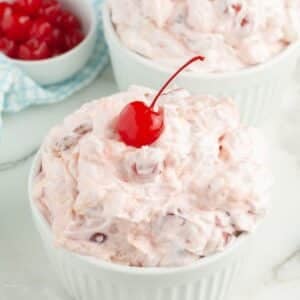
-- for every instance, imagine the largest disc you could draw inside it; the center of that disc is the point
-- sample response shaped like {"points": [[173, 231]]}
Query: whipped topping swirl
{"points": [[231, 34], [189, 195]]}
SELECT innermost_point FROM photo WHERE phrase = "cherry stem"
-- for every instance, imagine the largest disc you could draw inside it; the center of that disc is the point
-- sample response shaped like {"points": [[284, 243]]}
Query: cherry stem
{"points": [[173, 77]]}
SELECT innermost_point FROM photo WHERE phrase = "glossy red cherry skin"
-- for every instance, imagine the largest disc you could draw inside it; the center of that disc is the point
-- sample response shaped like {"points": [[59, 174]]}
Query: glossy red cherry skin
{"points": [[139, 125], [73, 38], [30, 7], [34, 50], [50, 10], [8, 47], [15, 25], [3, 7], [41, 29], [67, 21]]}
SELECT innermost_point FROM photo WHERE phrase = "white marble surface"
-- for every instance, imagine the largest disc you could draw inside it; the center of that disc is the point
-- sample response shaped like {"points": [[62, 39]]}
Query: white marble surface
{"points": [[273, 269]]}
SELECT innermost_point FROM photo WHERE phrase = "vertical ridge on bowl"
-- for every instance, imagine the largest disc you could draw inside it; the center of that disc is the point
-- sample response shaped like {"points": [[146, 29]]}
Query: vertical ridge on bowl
{"points": [[81, 286]]}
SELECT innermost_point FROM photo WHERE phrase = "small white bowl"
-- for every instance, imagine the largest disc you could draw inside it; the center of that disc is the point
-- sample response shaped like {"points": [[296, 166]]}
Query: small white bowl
{"points": [[88, 278], [257, 90], [62, 67]]}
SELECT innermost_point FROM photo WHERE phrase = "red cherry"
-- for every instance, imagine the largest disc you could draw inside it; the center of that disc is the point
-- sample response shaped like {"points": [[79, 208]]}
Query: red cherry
{"points": [[8, 47], [138, 124], [51, 11], [69, 21], [237, 7], [34, 50], [57, 52], [47, 3], [42, 52], [25, 52], [15, 26], [57, 40], [244, 22], [3, 7], [145, 124], [41, 30], [73, 38], [33, 43], [30, 7], [45, 32]]}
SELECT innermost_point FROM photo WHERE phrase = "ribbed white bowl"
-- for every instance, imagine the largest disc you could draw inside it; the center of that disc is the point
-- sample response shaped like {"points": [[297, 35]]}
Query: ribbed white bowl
{"points": [[257, 90], [86, 278]]}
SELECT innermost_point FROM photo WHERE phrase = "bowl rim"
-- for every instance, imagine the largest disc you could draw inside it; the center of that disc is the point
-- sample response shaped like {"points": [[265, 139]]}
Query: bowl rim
{"points": [[87, 38], [249, 71], [40, 221]]}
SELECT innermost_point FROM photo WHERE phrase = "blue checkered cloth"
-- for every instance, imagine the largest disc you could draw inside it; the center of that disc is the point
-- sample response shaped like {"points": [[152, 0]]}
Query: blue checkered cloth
{"points": [[18, 91]]}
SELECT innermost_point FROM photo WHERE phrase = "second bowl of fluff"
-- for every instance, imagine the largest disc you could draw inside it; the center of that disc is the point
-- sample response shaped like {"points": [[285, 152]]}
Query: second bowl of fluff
{"points": [[251, 47]]}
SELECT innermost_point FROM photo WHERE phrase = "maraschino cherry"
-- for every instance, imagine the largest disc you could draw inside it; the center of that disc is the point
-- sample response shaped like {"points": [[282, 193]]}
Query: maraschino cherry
{"points": [[37, 29], [140, 125]]}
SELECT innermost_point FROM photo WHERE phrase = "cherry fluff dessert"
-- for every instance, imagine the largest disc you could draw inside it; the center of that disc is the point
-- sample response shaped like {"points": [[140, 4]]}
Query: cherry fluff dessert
{"points": [[37, 29], [232, 34], [150, 179]]}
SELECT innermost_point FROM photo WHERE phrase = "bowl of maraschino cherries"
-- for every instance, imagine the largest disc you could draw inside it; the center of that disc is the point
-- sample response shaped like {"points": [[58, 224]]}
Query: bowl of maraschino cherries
{"points": [[50, 40]]}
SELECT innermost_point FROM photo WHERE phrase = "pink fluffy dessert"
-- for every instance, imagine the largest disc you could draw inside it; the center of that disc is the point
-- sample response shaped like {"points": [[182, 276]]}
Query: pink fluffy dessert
{"points": [[231, 34], [189, 195]]}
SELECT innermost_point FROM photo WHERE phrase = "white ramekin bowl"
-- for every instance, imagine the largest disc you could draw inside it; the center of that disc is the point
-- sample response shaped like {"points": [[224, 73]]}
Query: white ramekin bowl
{"points": [[87, 278], [62, 67], [257, 90]]}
